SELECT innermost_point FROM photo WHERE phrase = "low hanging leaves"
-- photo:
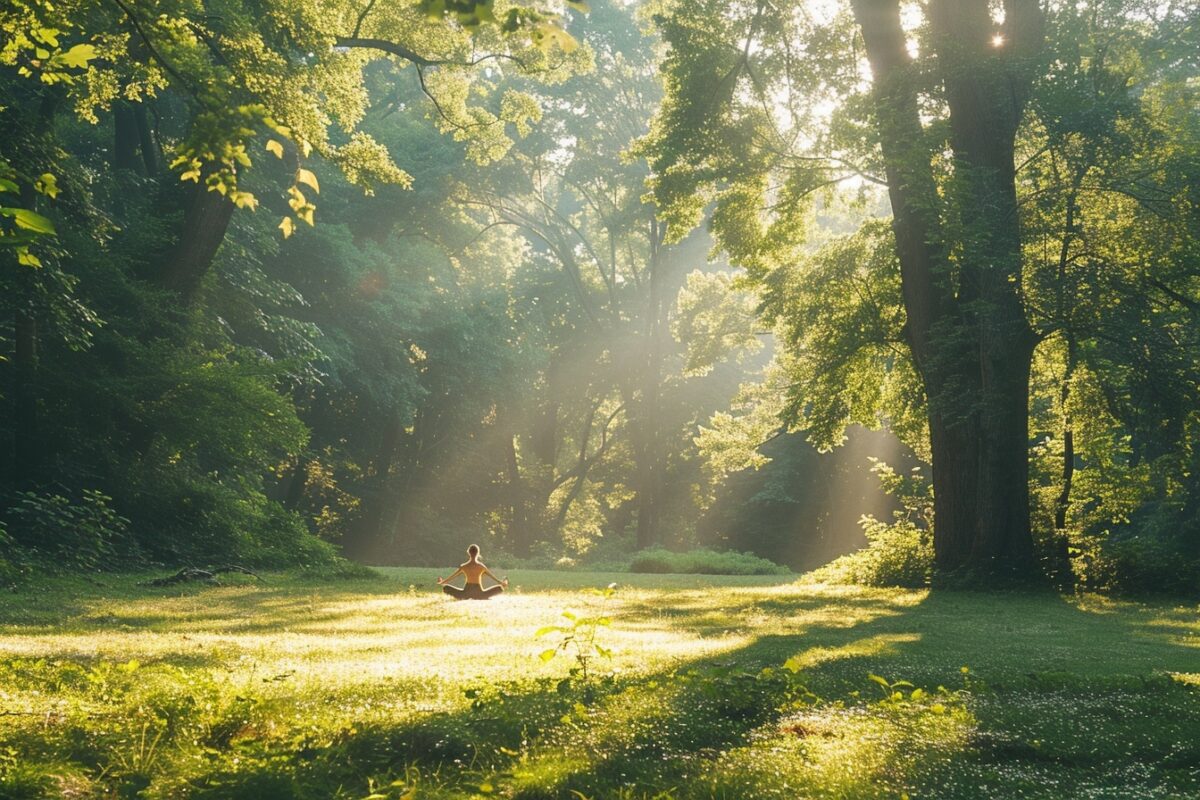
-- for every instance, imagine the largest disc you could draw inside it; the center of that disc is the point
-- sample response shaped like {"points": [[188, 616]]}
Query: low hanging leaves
{"points": [[29, 220], [308, 179]]}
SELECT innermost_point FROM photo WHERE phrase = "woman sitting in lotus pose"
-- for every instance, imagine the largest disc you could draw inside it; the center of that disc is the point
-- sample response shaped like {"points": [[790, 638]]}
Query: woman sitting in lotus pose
{"points": [[473, 570]]}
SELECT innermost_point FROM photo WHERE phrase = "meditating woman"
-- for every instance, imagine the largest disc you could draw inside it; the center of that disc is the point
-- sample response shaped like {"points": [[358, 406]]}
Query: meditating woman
{"points": [[473, 570]]}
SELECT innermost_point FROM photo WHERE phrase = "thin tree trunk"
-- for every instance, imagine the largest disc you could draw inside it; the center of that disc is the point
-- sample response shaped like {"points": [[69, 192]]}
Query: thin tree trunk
{"points": [[519, 533], [296, 483], [1063, 504], [27, 448], [27, 445], [649, 450], [125, 138], [146, 140], [204, 225]]}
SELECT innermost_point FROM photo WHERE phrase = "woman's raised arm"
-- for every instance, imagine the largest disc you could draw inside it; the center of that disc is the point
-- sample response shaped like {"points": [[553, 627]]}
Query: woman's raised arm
{"points": [[453, 575]]}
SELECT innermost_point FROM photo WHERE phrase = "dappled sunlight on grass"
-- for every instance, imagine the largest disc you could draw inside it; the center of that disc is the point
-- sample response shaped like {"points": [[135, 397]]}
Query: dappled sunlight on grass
{"points": [[879, 646], [354, 684]]}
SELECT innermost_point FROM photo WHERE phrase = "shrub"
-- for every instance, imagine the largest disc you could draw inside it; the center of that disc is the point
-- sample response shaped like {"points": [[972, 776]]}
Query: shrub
{"points": [[1140, 565], [703, 562], [12, 560], [224, 523], [900, 554], [64, 534]]}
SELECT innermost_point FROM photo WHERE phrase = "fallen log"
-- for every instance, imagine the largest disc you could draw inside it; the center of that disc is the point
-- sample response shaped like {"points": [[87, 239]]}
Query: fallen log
{"points": [[187, 574]]}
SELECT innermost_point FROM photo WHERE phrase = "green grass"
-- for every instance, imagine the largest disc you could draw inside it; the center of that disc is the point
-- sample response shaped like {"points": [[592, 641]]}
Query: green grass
{"points": [[385, 687]]}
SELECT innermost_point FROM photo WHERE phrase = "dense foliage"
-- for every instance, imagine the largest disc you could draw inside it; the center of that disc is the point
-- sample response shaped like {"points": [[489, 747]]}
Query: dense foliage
{"points": [[285, 280], [1023, 311]]}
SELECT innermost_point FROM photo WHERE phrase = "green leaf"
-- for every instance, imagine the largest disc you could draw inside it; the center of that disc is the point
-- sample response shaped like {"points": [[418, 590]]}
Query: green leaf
{"points": [[881, 681], [793, 664], [47, 184], [46, 35], [308, 179], [78, 56], [545, 630], [29, 220], [546, 655], [8, 186]]}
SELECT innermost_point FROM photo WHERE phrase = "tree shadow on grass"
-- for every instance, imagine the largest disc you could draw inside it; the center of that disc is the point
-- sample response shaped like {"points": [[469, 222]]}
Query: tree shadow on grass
{"points": [[648, 730], [1040, 667], [1064, 697]]}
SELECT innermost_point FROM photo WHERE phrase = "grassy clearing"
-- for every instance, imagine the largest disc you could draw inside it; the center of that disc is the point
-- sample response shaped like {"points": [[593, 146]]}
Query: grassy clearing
{"points": [[385, 687]]}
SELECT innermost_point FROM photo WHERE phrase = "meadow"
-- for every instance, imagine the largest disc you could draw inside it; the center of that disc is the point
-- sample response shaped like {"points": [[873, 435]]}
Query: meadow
{"points": [[695, 687]]}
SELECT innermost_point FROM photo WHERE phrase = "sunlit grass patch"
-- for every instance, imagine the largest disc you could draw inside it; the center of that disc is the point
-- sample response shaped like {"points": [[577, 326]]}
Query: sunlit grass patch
{"points": [[296, 691]]}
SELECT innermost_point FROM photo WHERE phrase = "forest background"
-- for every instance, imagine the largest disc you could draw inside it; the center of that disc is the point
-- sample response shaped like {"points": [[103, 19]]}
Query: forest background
{"points": [[291, 281]]}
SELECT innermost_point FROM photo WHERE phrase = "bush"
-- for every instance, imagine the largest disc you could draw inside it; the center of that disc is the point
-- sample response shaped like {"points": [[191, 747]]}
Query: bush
{"points": [[900, 554], [12, 562], [703, 562], [224, 523], [1140, 565], [60, 533], [337, 568]]}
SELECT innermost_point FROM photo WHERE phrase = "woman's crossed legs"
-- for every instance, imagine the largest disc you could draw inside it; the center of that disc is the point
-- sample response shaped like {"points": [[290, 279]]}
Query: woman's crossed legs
{"points": [[472, 591]]}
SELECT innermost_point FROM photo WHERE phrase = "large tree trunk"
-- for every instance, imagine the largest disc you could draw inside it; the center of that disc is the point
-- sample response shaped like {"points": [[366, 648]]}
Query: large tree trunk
{"points": [[965, 323]]}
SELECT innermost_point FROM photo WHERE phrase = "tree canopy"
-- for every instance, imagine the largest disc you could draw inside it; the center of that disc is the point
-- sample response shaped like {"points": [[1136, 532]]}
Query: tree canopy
{"points": [[295, 278]]}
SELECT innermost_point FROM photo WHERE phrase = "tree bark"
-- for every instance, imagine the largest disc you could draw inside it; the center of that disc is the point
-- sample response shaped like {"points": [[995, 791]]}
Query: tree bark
{"points": [[125, 138], [147, 141], [649, 483], [297, 482], [27, 448], [965, 321], [1063, 504], [27, 444], [204, 225]]}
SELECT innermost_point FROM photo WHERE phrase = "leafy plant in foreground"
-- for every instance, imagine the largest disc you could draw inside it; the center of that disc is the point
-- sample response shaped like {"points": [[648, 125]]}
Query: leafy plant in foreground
{"points": [[578, 639]]}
